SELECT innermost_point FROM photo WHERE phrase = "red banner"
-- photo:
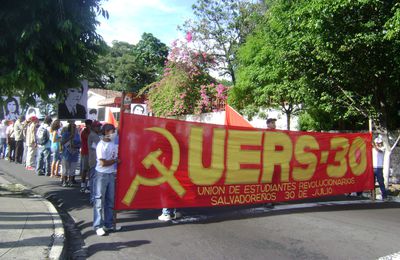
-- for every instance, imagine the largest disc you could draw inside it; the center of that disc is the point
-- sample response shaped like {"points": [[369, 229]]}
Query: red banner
{"points": [[174, 164]]}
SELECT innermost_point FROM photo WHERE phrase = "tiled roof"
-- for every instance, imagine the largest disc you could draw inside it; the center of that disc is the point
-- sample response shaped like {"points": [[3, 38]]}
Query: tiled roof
{"points": [[107, 93]]}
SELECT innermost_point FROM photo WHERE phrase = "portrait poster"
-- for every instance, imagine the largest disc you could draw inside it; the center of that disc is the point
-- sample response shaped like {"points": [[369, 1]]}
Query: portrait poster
{"points": [[33, 111], [73, 103], [11, 108], [139, 109]]}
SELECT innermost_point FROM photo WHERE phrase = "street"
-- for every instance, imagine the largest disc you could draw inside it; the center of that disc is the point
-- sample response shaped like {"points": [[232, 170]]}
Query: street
{"points": [[334, 228]]}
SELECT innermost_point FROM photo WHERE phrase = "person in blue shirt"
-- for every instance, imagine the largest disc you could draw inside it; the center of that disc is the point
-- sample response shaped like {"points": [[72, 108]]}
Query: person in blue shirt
{"points": [[70, 141]]}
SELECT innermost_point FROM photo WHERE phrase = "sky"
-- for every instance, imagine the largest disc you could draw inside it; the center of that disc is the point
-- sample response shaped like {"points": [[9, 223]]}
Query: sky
{"points": [[129, 19]]}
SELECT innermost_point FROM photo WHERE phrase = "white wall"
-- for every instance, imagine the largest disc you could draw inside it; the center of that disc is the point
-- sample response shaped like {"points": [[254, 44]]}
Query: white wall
{"points": [[219, 119]]}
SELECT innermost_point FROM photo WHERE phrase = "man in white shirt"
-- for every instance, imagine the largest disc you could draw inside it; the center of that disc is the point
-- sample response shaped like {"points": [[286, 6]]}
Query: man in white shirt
{"points": [[107, 158], [378, 153]]}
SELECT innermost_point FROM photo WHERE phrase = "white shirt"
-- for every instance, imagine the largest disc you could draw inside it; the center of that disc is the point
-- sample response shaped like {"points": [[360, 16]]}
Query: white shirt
{"points": [[106, 151], [377, 157], [10, 131], [3, 129]]}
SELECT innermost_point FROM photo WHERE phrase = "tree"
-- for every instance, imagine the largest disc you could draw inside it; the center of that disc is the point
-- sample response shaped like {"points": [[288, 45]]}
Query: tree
{"points": [[47, 45], [266, 75], [345, 52], [220, 27], [186, 87], [130, 67]]}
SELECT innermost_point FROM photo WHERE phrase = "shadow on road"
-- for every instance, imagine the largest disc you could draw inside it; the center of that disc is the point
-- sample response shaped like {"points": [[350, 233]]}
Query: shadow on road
{"points": [[116, 246]]}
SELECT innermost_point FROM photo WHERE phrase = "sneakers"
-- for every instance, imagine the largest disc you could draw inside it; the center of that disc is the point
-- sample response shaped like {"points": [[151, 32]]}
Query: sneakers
{"points": [[87, 191], [64, 184], [100, 232], [166, 217], [269, 205], [112, 229], [29, 168]]}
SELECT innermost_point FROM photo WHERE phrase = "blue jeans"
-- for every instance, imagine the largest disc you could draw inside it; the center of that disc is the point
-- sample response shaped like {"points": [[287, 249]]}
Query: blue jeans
{"points": [[169, 211], [104, 189], [92, 176], [43, 160], [378, 172]]}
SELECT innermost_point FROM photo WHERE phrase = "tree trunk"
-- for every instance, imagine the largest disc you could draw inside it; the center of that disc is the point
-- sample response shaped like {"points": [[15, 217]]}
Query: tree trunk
{"points": [[288, 116]]}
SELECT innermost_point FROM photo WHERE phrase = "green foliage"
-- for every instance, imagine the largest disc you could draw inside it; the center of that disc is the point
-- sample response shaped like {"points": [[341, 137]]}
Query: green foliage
{"points": [[130, 67], [46, 45], [334, 55], [220, 27], [267, 74]]}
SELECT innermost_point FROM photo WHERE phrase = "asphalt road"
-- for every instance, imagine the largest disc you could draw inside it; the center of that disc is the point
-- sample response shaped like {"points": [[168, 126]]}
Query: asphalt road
{"points": [[330, 229]]}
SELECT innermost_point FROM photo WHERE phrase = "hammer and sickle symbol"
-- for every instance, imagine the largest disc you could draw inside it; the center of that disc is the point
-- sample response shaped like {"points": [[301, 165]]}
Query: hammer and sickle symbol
{"points": [[167, 175]]}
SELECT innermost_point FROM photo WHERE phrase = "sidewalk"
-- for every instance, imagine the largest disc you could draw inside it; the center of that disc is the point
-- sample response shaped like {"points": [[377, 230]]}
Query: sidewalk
{"points": [[30, 227]]}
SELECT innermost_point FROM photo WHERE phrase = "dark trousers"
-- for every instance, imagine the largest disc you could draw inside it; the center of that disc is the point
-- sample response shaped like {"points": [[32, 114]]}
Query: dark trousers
{"points": [[378, 172], [19, 150], [11, 149]]}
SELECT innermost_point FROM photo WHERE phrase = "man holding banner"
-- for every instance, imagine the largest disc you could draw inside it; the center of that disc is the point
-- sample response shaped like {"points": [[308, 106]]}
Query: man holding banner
{"points": [[107, 157], [378, 153]]}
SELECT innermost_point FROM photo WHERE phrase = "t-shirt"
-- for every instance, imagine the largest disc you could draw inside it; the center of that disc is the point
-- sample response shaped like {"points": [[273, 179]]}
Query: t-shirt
{"points": [[84, 141], [377, 158], [10, 131], [3, 129], [106, 151]]}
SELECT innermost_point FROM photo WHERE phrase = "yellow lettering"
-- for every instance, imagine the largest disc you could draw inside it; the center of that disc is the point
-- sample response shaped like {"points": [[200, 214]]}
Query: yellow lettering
{"points": [[305, 158], [358, 149], [237, 156], [198, 174], [342, 144], [274, 157]]}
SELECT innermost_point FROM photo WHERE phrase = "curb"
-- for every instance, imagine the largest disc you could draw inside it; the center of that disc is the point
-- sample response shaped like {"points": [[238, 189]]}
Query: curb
{"points": [[57, 247]]}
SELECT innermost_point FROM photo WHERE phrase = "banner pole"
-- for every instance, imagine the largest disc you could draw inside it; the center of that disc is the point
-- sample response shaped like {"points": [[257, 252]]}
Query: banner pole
{"points": [[121, 115], [373, 176]]}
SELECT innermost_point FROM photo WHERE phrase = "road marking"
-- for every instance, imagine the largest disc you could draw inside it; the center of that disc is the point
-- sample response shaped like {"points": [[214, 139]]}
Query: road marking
{"points": [[395, 256]]}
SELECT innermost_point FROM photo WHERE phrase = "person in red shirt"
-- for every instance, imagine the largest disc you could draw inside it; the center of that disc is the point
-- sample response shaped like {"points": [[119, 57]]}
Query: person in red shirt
{"points": [[85, 155]]}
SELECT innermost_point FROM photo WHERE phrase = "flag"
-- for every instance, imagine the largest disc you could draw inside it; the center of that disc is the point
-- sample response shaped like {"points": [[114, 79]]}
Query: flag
{"points": [[111, 119], [232, 117]]}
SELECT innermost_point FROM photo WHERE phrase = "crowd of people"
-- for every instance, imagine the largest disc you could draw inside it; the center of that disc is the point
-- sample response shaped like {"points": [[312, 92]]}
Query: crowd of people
{"points": [[50, 149]]}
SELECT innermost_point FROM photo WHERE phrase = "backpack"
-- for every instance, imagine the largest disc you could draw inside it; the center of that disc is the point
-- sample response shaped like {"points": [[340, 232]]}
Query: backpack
{"points": [[42, 135]]}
